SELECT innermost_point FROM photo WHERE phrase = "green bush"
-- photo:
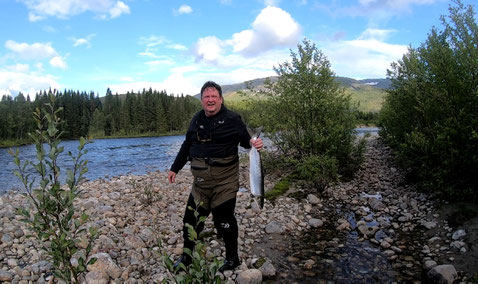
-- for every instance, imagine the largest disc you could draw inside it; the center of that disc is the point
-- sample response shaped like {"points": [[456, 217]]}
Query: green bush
{"points": [[320, 170], [202, 268], [54, 218], [429, 116], [307, 114]]}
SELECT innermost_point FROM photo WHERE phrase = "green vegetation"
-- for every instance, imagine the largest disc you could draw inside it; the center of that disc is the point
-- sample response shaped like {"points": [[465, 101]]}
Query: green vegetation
{"points": [[202, 269], [53, 217], [310, 118], [149, 113], [367, 98], [429, 116]]}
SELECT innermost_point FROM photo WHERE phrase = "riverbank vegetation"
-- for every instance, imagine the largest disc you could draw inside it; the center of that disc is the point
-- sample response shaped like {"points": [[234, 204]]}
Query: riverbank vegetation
{"points": [[147, 113], [430, 114]]}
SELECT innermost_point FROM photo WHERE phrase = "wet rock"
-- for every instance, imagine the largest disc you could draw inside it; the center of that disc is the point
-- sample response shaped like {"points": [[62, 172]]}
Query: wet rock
{"points": [[445, 274], [250, 276]]}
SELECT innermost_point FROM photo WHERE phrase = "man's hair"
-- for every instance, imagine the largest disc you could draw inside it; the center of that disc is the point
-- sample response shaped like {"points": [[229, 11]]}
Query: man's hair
{"points": [[211, 84]]}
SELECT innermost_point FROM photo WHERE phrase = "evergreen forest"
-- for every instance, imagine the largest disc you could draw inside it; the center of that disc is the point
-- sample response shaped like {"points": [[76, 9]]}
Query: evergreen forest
{"points": [[87, 115]]}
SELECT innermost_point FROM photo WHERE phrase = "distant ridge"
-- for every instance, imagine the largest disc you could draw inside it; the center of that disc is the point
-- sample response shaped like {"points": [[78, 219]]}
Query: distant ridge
{"points": [[346, 82]]}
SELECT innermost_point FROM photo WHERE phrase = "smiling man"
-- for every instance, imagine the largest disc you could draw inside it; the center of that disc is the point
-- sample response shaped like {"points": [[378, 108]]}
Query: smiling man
{"points": [[211, 145]]}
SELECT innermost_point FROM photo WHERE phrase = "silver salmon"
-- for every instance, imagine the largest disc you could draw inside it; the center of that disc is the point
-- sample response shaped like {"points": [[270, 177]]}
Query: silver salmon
{"points": [[256, 172]]}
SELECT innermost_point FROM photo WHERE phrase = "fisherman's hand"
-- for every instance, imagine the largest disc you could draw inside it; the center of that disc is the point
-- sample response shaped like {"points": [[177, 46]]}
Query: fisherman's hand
{"points": [[257, 143], [171, 176]]}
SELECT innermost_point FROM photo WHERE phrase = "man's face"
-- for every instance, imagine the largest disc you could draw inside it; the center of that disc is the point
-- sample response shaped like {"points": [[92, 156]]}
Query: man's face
{"points": [[211, 101]]}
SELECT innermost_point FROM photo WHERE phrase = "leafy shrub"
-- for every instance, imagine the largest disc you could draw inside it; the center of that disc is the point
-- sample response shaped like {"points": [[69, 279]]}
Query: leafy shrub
{"points": [[202, 269], [320, 170], [54, 218], [307, 114], [429, 116]]}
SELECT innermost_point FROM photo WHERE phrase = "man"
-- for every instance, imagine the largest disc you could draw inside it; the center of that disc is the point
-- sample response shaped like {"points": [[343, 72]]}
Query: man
{"points": [[211, 145]]}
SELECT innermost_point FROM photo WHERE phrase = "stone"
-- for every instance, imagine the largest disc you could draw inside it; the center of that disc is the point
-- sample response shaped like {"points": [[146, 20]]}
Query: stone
{"points": [[105, 264], [458, 234], [6, 238], [134, 242], [443, 274], [368, 231], [315, 223], [41, 267], [457, 245], [313, 199], [250, 276], [96, 277], [268, 270], [429, 264], [430, 225], [6, 275], [274, 228]]}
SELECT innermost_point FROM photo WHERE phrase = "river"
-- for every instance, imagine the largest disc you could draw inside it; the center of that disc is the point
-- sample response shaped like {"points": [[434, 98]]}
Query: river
{"points": [[109, 157]]}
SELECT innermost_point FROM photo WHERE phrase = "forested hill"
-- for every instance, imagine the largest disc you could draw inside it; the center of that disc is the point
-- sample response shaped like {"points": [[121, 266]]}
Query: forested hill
{"points": [[368, 94], [383, 84]]}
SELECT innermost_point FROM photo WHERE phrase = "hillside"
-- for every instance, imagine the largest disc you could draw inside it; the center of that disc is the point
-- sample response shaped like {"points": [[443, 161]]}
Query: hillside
{"points": [[369, 94]]}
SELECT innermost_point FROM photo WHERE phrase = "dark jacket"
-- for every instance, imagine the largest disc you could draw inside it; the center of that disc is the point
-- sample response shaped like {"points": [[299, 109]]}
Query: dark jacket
{"points": [[212, 137]]}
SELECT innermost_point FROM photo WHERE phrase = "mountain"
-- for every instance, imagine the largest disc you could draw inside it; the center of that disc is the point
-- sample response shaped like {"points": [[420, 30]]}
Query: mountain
{"points": [[368, 94], [346, 82]]}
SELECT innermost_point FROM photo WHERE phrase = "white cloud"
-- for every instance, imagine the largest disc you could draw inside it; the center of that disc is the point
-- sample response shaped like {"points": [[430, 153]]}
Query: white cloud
{"points": [[185, 9], [177, 46], [31, 51], [118, 9], [83, 41], [365, 57], [58, 62], [271, 29], [36, 51], [12, 82], [41, 9], [209, 49]]}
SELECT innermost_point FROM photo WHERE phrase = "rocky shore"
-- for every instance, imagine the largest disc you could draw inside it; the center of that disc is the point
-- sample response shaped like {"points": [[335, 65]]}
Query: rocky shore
{"points": [[372, 229]]}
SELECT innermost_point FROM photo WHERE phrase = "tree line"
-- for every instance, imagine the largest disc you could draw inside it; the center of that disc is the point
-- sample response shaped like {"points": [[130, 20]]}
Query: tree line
{"points": [[87, 115]]}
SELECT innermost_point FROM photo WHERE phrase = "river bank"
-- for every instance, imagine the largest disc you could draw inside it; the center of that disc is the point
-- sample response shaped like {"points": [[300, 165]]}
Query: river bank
{"points": [[373, 229]]}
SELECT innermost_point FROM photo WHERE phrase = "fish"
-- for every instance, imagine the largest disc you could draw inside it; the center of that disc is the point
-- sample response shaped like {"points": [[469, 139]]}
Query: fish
{"points": [[256, 171]]}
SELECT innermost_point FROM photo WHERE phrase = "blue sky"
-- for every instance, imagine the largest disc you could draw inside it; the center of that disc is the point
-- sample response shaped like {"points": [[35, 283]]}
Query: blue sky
{"points": [[90, 45]]}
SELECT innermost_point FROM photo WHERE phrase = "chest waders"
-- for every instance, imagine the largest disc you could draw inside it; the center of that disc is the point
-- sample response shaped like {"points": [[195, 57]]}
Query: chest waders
{"points": [[216, 182]]}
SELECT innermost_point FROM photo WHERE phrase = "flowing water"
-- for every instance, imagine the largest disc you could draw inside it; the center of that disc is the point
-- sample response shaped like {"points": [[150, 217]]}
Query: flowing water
{"points": [[106, 158]]}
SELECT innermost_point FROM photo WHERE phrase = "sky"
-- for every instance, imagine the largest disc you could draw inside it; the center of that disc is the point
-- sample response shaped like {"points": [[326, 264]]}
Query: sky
{"points": [[128, 45]]}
